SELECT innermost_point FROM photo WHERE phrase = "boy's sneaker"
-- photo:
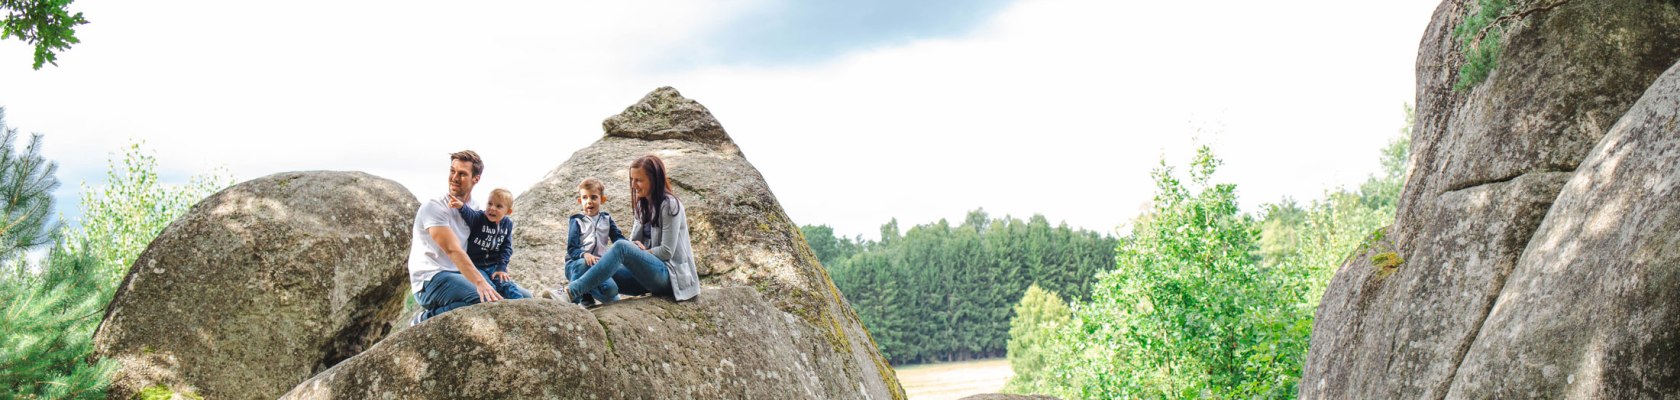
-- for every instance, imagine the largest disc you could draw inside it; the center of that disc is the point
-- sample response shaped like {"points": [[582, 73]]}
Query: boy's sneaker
{"points": [[419, 315], [559, 293]]}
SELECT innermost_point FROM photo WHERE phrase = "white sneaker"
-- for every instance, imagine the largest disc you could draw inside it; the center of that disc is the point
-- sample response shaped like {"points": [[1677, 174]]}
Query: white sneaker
{"points": [[419, 315], [559, 293]]}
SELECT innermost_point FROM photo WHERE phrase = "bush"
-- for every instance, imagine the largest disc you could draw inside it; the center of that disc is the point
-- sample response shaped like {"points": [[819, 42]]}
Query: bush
{"points": [[1033, 340]]}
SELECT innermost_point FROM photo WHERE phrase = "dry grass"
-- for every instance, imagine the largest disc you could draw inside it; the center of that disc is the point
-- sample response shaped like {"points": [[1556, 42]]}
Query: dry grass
{"points": [[949, 381]]}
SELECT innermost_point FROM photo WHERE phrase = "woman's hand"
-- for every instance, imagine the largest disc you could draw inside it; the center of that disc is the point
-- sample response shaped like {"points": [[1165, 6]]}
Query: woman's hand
{"points": [[639, 245]]}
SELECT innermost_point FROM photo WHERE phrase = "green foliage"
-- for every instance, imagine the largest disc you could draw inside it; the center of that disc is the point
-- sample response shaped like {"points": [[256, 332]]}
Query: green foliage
{"points": [[944, 293], [26, 184], [1187, 312], [829, 248], [1206, 301], [1481, 53], [46, 332], [46, 24], [132, 208], [1033, 338]]}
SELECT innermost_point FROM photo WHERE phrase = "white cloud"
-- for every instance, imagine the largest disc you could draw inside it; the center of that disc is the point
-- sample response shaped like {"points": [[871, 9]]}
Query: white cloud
{"points": [[1053, 107]]}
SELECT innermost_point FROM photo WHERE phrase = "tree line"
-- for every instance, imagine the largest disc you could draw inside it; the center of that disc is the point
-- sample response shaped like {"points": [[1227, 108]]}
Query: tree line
{"points": [[943, 292]]}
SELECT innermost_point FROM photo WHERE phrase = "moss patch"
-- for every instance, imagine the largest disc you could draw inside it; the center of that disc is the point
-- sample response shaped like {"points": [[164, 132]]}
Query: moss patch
{"points": [[1386, 263], [162, 392]]}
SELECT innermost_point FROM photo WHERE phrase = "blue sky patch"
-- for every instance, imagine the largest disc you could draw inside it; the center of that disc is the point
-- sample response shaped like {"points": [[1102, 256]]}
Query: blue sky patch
{"points": [[793, 33]]}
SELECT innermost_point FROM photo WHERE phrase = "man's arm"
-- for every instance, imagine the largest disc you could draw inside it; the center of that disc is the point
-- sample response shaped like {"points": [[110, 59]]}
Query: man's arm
{"points": [[451, 247]]}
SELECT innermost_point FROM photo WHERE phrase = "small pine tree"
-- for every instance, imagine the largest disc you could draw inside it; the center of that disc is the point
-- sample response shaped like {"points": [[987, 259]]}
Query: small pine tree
{"points": [[46, 329], [26, 186]]}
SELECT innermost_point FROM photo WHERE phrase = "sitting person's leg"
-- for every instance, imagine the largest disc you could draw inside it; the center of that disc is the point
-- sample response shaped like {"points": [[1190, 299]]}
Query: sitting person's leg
{"points": [[605, 293], [447, 290], [511, 291], [506, 288], [646, 269]]}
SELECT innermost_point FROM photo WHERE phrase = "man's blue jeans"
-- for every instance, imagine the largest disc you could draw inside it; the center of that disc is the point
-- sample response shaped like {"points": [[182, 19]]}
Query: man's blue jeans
{"points": [[634, 270], [447, 290], [606, 293]]}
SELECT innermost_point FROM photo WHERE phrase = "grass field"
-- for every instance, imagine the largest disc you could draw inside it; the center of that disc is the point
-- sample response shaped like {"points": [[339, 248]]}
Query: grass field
{"points": [[949, 381]]}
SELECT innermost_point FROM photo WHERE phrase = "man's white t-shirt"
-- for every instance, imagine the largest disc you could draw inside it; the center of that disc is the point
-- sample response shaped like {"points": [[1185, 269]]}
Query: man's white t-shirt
{"points": [[426, 258]]}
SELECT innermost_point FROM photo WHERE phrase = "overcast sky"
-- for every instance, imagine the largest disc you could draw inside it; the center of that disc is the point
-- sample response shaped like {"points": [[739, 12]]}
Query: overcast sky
{"points": [[856, 112]]}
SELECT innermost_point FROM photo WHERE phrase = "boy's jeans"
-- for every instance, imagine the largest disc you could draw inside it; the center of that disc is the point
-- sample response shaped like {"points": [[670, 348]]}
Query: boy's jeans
{"points": [[507, 288], [607, 292], [634, 270]]}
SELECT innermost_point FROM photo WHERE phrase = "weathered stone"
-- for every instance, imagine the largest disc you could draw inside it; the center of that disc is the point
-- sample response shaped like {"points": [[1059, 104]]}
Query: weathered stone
{"points": [[728, 343], [665, 115], [1591, 309], [261, 286], [1486, 167]]}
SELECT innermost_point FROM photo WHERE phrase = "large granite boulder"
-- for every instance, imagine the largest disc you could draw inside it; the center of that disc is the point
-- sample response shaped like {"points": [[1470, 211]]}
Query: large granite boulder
{"points": [[261, 286], [768, 324], [1487, 168], [729, 343]]}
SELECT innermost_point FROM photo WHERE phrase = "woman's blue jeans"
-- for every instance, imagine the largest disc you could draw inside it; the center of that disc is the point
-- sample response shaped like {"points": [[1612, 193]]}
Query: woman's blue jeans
{"points": [[634, 270]]}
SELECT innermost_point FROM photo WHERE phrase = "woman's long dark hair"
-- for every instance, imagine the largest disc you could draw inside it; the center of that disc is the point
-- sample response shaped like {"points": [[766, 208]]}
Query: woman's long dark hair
{"points": [[659, 186]]}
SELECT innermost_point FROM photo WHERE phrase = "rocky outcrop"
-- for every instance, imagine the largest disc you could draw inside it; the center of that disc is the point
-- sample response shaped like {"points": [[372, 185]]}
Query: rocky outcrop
{"points": [[261, 286], [769, 323], [1591, 308], [1478, 221]]}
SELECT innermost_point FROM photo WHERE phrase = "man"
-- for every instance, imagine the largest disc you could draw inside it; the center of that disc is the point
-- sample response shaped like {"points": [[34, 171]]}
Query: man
{"points": [[437, 249]]}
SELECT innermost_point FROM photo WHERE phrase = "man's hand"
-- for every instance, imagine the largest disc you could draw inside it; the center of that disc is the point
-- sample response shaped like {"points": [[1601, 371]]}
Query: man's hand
{"points": [[486, 293], [499, 276], [454, 202], [590, 259], [639, 245]]}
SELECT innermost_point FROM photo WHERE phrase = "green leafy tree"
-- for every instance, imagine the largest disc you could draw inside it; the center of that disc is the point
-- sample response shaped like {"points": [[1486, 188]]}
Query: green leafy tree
{"points": [[132, 208], [1034, 340], [26, 181], [46, 24], [1179, 315]]}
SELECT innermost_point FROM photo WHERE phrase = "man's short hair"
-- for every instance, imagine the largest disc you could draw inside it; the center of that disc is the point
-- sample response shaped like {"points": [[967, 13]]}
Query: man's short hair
{"points": [[593, 185], [470, 157]]}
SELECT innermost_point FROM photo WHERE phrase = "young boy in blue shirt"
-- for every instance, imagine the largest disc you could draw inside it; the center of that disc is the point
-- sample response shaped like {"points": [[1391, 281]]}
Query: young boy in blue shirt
{"points": [[490, 243], [588, 236]]}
